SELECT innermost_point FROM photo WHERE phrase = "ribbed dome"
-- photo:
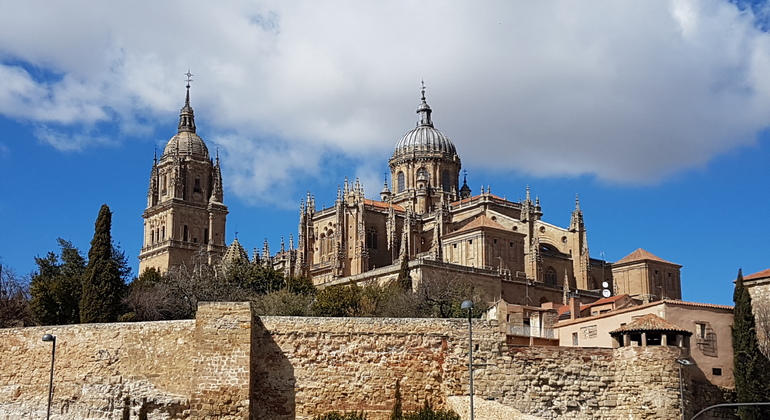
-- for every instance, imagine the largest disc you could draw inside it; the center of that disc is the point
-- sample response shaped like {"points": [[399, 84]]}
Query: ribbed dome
{"points": [[187, 143], [424, 138]]}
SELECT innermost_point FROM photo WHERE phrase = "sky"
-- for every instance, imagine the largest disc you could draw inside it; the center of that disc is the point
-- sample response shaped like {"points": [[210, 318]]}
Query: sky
{"points": [[656, 113]]}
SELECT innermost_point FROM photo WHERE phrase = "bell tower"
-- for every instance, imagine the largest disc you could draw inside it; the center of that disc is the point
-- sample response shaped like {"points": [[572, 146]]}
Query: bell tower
{"points": [[185, 214]]}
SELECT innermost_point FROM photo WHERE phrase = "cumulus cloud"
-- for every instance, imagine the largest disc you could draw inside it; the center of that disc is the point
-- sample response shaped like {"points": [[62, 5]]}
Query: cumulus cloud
{"points": [[629, 92]]}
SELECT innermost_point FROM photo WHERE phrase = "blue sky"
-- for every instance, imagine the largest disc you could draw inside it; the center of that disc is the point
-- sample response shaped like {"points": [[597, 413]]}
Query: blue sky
{"points": [[656, 113]]}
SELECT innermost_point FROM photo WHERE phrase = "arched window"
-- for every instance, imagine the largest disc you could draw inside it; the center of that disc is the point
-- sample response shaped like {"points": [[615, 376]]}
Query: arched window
{"points": [[162, 233], [401, 182], [184, 233], [152, 237], [445, 185], [206, 236], [550, 277], [371, 238]]}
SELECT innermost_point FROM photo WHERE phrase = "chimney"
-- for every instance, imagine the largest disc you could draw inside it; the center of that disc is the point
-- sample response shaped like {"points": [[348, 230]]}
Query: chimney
{"points": [[574, 308]]}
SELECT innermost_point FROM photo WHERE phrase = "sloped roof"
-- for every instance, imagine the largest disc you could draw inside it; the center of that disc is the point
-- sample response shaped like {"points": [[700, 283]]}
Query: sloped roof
{"points": [[641, 255], [760, 275], [383, 205], [592, 318], [481, 221], [606, 300], [650, 322]]}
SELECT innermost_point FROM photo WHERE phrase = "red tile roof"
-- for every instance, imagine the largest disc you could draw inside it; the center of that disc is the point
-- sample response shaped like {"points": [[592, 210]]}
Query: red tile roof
{"points": [[382, 205], [761, 275], [481, 221], [649, 322], [643, 306], [641, 255], [603, 301]]}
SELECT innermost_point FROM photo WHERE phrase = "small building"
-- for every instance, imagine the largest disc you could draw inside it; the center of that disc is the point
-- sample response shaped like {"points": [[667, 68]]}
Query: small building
{"points": [[711, 346], [650, 330]]}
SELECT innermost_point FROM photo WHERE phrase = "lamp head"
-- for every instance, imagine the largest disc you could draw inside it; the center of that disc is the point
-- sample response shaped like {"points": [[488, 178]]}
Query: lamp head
{"points": [[684, 362], [467, 304], [49, 337]]}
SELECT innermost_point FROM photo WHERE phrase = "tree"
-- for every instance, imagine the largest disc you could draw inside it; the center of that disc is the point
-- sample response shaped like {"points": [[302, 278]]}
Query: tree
{"points": [[751, 367], [15, 310], [103, 286], [340, 300], [301, 286], [56, 286], [150, 299], [444, 295], [255, 277]]}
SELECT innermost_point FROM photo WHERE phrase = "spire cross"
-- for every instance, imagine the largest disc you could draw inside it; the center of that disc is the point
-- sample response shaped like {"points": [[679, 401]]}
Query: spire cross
{"points": [[189, 78], [422, 89]]}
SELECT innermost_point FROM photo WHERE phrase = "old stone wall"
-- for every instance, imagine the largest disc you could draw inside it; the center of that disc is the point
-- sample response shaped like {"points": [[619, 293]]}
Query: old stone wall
{"points": [[101, 370], [228, 364]]}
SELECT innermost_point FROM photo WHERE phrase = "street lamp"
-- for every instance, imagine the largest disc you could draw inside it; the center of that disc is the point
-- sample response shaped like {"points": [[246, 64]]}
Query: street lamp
{"points": [[468, 304], [52, 339], [682, 362]]}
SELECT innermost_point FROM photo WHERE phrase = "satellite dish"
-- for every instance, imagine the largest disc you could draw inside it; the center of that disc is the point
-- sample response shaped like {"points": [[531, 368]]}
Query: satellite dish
{"points": [[605, 284], [606, 293]]}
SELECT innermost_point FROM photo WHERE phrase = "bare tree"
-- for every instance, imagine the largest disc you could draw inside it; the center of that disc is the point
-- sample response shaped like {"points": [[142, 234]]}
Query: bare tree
{"points": [[15, 309]]}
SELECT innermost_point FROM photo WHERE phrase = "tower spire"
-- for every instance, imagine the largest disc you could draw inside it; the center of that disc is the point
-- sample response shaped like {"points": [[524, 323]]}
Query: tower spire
{"points": [[187, 115], [424, 110]]}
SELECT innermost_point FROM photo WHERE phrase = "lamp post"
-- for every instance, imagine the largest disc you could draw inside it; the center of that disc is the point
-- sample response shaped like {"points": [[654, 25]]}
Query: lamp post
{"points": [[682, 362], [468, 304], [52, 339]]}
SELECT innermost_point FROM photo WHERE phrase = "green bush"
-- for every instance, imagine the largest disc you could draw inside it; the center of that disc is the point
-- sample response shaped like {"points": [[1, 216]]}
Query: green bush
{"points": [[428, 413]]}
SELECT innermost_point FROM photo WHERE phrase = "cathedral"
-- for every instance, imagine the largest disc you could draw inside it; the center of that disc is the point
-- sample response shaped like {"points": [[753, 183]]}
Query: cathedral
{"points": [[423, 218]]}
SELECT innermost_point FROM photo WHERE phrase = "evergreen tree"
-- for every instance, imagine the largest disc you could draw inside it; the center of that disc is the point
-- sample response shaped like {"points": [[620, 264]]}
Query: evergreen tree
{"points": [[56, 286], [751, 367], [103, 285]]}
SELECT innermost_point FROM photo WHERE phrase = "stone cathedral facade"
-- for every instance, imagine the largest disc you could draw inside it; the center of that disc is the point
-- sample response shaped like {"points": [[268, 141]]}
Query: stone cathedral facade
{"points": [[424, 216], [428, 218], [185, 213]]}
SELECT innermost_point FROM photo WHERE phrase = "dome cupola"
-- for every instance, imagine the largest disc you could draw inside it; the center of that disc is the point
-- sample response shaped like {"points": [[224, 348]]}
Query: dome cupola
{"points": [[424, 139], [186, 142], [424, 162]]}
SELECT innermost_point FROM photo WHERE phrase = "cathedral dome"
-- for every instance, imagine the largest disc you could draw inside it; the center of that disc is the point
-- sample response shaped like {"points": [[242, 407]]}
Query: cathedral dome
{"points": [[186, 143], [424, 138]]}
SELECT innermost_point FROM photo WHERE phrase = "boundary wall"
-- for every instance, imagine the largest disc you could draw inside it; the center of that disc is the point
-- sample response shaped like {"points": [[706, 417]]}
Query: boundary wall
{"points": [[230, 364]]}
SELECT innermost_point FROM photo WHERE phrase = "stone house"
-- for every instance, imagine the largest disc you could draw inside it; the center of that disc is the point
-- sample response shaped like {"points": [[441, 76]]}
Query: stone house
{"points": [[710, 345]]}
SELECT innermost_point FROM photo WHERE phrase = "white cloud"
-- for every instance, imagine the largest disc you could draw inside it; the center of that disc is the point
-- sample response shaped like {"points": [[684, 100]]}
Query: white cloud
{"points": [[630, 92]]}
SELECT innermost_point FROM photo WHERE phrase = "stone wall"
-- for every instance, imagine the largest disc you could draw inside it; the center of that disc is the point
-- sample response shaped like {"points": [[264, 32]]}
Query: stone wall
{"points": [[228, 363], [101, 370]]}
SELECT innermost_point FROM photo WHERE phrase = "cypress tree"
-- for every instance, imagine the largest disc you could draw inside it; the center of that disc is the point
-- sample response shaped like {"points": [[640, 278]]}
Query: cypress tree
{"points": [[102, 284], [751, 367]]}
